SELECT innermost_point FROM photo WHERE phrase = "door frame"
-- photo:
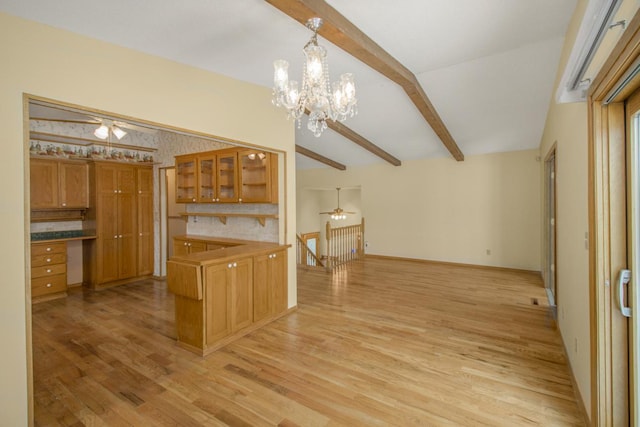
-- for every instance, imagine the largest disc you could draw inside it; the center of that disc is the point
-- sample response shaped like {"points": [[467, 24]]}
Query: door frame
{"points": [[551, 230], [607, 225], [314, 235]]}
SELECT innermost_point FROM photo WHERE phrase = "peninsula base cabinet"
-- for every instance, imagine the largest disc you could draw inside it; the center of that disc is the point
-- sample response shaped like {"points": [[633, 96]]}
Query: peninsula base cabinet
{"points": [[215, 302]]}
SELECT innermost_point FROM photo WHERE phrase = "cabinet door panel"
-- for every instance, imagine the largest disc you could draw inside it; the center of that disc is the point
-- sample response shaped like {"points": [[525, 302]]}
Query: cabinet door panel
{"points": [[261, 291], [144, 209], [180, 247], [217, 302], [227, 179], [126, 180], [242, 294], [255, 176], [107, 221], [127, 259], [278, 279], [74, 185], [186, 179], [44, 184], [197, 247], [108, 260], [207, 179]]}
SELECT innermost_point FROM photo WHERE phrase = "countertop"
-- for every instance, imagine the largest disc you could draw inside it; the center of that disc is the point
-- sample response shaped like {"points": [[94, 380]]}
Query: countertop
{"points": [[58, 236], [237, 249]]}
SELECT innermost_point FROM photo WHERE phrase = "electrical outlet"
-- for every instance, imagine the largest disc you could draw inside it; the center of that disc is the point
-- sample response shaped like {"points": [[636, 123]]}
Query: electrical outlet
{"points": [[575, 345], [488, 251], [366, 245]]}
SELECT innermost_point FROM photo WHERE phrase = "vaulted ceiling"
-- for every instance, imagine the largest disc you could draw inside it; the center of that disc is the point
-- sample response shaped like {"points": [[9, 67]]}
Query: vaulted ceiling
{"points": [[487, 66]]}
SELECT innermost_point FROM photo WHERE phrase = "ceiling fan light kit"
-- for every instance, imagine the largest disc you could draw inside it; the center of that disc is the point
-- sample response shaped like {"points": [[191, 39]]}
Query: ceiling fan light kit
{"points": [[322, 100], [338, 213], [105, 128]]}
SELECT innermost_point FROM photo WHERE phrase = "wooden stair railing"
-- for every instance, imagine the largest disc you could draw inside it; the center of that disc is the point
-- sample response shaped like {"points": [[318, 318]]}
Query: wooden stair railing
{"points": [[305, 256], [344, 244]]}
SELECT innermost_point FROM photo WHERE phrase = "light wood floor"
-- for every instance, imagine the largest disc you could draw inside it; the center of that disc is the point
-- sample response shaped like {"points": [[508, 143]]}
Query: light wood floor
{"points": [[378, 343]]}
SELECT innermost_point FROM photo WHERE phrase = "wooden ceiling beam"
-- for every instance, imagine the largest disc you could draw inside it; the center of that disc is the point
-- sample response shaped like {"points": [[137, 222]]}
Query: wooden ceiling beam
{"points": [[362, 142], [319, 157], [344, 34]]}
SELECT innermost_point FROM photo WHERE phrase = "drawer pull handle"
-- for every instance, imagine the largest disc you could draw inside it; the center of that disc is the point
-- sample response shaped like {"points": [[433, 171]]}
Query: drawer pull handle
{"points": [[48, 259], [48, 270], [48, 285], [48, 249], [229, 265]]}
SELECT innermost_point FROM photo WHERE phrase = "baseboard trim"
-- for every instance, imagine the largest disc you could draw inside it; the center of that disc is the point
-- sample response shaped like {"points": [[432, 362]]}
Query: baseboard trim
{"points": [[456, 264], [574, 384]]}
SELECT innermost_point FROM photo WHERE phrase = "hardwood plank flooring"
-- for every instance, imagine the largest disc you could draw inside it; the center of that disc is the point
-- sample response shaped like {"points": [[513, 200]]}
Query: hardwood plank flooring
{"points": [[380, 342]]}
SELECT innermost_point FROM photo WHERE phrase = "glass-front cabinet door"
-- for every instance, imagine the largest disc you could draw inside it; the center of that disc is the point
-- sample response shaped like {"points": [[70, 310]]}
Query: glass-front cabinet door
{"points": [[207, 179], [227, 177], [255, 176], [186, 179]]}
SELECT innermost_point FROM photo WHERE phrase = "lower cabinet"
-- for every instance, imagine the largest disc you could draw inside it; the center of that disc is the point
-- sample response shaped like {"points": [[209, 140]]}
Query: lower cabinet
{"points": [[48, 270], [269, 284], [217, 302], [228, 298], [185, 247]]}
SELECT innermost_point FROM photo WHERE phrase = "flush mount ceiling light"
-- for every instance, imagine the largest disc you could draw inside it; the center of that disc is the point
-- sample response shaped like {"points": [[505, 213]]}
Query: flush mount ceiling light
{"points": [[323, 100], [107, 126]]}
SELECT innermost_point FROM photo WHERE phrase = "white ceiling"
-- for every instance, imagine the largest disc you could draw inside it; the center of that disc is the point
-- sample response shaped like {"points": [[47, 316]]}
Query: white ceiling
{"points": [[488, 66]]}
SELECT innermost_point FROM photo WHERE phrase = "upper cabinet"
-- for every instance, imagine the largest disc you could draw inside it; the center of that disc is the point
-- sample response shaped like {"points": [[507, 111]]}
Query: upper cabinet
{"points": [[258, 176], [186, 179], [59, 184], [227, 176]]}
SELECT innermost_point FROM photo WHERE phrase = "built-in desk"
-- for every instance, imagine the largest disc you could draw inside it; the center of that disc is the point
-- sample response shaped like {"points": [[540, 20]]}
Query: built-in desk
{"points": [[227, 292], [49, 262]]}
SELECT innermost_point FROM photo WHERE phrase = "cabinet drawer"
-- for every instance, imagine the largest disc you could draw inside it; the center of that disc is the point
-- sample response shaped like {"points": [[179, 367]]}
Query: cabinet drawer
{"points": [[50, 259], [48, 248], [48, 285], [48, 270]]}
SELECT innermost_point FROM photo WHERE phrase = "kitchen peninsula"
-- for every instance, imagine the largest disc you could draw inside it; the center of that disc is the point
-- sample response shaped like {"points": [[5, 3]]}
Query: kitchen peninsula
{"points": [[225, 289]]}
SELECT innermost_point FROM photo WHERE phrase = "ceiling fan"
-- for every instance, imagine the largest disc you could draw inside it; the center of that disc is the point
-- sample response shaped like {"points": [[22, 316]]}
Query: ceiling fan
{"points": [[337, 213]]}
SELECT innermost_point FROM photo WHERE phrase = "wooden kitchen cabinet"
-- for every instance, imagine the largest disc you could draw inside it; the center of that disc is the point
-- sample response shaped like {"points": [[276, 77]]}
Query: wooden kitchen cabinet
{"points": [[144, 199], [270, 294], [228, 298], [59, 184], [185, 246], [224, 294], [227, 176], [114, 255], [213, 302], [48, 270], [239, 176], [258, 176], [186, 179]]}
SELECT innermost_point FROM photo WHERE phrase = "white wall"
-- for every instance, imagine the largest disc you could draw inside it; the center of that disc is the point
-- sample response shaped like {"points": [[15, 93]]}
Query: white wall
{"points": [[440, 209], [62, 66], [566, 126]]}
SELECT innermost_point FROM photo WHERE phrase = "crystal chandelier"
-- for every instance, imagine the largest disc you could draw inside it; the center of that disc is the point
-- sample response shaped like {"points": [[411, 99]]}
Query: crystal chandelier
{"points": [[322, 100]]}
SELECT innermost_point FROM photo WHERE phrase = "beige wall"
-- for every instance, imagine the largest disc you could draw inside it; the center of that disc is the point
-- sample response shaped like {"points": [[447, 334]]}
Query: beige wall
{"points": [[566, 126], [60, 65], [312, 201], [440, 209]]}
